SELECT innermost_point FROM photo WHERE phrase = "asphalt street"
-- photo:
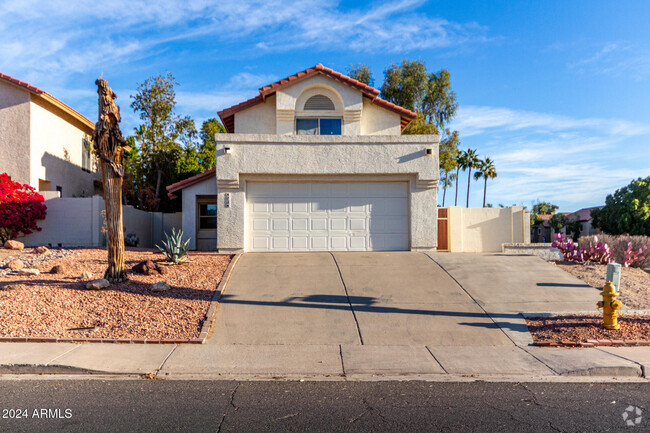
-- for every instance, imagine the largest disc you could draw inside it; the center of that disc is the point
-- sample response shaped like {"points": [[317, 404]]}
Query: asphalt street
{"points": [[73, 405]]}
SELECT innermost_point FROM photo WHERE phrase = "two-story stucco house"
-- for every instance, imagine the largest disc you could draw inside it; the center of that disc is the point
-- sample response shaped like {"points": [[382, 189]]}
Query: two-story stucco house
{"points": [[315, 162], [43, 142]]}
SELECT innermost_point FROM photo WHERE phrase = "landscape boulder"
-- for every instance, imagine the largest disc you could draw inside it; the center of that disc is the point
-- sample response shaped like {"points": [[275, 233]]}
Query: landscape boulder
{"points": [[161, 269], [41, 250], [160, 286], [98, 284], [8, 287], [14, 245], [147, 267], [28, 271], [15, 264], [57, 269]]}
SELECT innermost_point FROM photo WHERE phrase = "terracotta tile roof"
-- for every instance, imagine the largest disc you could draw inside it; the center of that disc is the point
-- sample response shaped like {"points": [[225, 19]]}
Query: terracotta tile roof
{"points": [[190, 181], [87, 123], [228, 115]]}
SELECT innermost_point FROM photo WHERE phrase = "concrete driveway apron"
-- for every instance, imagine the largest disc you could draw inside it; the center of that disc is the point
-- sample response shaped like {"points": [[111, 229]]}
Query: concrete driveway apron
{"points": [[392, 298]]}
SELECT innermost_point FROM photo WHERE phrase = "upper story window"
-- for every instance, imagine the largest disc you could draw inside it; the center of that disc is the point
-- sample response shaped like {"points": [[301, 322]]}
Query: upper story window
{"points": [[318, 125]]}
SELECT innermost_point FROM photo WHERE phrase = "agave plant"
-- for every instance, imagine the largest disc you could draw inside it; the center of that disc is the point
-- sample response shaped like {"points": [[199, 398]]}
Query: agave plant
{"points": [[175, 249]]}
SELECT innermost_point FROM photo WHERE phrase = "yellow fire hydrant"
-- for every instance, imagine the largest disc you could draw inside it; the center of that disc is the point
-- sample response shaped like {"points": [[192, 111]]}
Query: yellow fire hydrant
{"points": [[610, 306]]}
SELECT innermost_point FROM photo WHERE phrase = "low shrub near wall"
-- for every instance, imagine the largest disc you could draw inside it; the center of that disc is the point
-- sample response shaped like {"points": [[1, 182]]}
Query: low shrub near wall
{"points": [[619, 244]]}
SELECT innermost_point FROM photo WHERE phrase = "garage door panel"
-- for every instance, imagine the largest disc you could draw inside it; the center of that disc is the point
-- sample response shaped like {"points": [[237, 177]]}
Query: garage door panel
{"points": [[327, 216]]}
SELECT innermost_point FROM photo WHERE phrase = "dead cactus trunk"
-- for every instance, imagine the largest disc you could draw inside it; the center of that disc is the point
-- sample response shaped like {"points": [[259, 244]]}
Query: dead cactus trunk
{"points": [[109, 146]]}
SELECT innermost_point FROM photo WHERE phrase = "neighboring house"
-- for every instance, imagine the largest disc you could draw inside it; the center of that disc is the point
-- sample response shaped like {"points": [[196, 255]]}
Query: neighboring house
{"points": [[543, 232], [43, 142], [584, 215], [315, 162]]}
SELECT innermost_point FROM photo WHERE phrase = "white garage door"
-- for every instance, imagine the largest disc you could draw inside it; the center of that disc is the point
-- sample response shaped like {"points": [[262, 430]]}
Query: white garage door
{"points": [[355, 216]]}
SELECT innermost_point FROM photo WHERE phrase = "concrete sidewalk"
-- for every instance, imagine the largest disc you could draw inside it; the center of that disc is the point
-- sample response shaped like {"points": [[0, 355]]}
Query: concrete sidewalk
{"points": [[322, 361]]}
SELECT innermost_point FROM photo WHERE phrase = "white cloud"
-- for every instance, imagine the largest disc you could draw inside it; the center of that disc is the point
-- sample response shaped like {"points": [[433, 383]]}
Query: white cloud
{"points": [[66, 36], [617, 59]]}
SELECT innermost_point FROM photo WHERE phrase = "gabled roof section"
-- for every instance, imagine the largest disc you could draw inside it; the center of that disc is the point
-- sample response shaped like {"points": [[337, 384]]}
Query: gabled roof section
{"points": [[87, 125], [171, 189], [228, 115]]}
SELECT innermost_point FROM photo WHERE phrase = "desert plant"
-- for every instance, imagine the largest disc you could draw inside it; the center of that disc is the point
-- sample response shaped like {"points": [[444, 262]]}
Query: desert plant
{"points": [[131, 240], [595, 251], [632, 255], [20, 207], [620, 244], [175, 249]]}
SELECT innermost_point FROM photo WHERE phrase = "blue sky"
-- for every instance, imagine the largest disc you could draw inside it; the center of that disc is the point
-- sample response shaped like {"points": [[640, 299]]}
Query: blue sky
{"points": [[556, 92]]}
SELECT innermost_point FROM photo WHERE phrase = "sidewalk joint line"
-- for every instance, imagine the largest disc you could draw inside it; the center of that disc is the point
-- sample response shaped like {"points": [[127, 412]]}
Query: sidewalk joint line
{"points": [[341, 354], [63, 354], [166, 358], [436, 359], [472, 298], [547, 366], [347, 295]]}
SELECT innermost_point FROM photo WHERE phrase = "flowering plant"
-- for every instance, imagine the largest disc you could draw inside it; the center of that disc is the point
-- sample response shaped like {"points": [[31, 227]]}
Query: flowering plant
{"points": [[20, 207]]}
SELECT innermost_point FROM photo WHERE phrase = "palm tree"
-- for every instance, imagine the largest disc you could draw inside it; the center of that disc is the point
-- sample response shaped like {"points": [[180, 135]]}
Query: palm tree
{"points": [[486, 171], [460, 163], [471, 161]]}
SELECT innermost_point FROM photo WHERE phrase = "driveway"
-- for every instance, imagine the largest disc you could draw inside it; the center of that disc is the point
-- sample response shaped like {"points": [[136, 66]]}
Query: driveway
{"points": [[391, 299]]}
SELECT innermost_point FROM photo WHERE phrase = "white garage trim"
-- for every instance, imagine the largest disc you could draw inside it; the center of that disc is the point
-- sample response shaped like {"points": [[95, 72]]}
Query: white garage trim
{"points": [[327, 216]]}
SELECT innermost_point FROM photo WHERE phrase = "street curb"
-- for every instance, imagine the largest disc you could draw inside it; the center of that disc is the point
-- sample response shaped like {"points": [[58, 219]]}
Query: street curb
{"points": [[591, 343], [203, 334]]}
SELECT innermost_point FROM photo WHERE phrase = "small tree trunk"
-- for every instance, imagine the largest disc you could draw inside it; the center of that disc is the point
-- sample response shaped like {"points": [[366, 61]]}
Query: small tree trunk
{"points": [[484, 191], [116, 271], [457, 174], [158, 182], [469, 181], [444, 190]]}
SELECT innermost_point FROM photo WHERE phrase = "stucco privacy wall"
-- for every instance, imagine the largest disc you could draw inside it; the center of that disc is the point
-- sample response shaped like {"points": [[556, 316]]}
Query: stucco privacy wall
{"points": [[14, 132], [77, 222], [263, 157], [206, 187], [475, 230], [54, 132]]}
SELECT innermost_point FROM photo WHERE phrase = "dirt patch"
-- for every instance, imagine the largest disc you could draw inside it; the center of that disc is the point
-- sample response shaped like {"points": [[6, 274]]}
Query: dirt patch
{"points": [[635, 282], [50, 305], [582, 328]]}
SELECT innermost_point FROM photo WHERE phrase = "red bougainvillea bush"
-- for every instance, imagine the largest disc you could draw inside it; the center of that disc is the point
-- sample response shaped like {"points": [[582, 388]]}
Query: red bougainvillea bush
{"points": [[20, 207]]}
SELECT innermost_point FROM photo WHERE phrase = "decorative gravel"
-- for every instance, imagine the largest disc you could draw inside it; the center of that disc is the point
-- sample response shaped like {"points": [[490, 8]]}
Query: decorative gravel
{"points": [[580, 328], [635, 282], [51, 305], [29, 259]]}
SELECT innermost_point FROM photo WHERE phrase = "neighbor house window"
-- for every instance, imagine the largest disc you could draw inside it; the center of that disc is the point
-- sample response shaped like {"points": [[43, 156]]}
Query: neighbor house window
{"points": [[208, 216], [86, 159], [321, 126]]}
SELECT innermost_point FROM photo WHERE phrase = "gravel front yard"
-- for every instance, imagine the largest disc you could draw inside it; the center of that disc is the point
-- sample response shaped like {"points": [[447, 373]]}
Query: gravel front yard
{"points": [[583, 328], [635, 282], [51, 305]]}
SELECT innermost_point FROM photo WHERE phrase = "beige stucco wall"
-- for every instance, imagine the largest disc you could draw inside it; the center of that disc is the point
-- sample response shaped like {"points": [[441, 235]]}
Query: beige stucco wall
{"points": [[206, 187], [14, 132], [259, 119], [77, 222], [278, 113], [325, 158], [475, 230], [52, 132], [379, 121]]}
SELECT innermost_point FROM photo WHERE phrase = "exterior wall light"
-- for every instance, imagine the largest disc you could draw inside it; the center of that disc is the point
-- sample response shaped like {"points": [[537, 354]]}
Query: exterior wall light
{"points": [[227, 150], [429, 152]]}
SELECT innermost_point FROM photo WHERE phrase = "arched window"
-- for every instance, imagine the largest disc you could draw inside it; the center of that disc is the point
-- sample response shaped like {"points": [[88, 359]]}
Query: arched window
{"points": [[319, 103]]}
